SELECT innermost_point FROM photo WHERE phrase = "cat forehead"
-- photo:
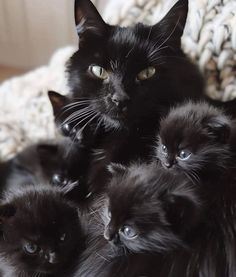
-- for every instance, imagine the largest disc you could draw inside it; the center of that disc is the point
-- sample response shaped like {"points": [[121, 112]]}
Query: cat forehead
{"points": [[132, 39]]}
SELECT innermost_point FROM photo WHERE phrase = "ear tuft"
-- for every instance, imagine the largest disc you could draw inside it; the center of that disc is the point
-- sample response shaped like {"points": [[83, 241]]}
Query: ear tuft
{"points": [[116, 168]]}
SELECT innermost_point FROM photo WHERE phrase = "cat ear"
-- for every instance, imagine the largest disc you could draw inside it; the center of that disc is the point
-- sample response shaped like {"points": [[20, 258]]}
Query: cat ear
{"points": [[116, 168], [6, 211], [183, 210], [170, 28], [57, 100], [218, 127], [88, 19]]}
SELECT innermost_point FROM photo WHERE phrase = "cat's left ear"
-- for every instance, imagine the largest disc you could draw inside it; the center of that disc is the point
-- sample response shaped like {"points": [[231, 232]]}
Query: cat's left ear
{"points": [[218, 127], [6, 211], [116, 168], [88, 19], [170, 29]]}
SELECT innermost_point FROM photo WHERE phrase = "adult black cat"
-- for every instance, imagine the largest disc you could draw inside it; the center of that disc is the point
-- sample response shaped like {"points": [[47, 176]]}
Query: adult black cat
{"points": [[40, 232], [122, 81]]}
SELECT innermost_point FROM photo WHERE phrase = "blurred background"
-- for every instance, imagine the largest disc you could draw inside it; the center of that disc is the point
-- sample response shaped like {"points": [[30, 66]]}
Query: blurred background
{"points": [[31, 30]]}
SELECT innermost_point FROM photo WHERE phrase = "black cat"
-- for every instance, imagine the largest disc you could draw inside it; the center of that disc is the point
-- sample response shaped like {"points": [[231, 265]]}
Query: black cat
{"points": [[53, 162], [191, 227], [149, 209], [148, 214], [198, 140], [122, 81], [40, 232]]}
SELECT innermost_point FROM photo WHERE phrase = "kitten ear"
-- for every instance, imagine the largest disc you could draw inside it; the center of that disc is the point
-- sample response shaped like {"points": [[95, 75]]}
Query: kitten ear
{"points": [[170, 28], [88, 19], [183, 209], [218, 127], [116, 168], [6, 211], [57, 100]]}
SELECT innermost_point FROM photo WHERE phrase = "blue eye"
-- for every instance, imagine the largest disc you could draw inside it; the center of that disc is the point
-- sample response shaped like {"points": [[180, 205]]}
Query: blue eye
{"points": [[164, 149], [184, 155], [128, 232], [31, 248]]}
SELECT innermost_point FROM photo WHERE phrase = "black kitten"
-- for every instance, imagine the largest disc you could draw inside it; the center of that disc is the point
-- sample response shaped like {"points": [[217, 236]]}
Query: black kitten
{"points": [[40, 232], [195, 139], [150, 210], [148, 214], [52, 162]]}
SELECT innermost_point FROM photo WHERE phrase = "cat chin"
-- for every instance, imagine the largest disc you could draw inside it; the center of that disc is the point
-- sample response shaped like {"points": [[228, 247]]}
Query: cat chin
{"points": [[111, 123]]}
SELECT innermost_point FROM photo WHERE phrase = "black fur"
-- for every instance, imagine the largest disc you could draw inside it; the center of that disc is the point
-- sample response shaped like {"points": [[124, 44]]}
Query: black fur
{"points": [[203, 135], [56, 163], [40, 219]]}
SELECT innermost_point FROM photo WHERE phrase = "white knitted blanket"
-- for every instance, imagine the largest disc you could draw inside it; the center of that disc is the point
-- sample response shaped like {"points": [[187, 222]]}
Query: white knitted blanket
{"points": [[209, 39]]}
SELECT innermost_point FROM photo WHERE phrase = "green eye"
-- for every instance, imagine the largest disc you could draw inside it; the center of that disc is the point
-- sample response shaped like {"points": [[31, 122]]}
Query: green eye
{"points": [[31, 248], [146, 73], [99, 72]]}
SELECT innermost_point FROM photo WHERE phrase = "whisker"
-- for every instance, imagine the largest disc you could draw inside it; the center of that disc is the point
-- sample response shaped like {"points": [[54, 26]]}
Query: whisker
{"points": [[77, 117], [78, 112]]}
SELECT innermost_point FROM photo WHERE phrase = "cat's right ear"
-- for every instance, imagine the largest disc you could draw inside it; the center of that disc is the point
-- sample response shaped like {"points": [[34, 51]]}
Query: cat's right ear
{"points": [[116, 168], [218, 128], [88, 19], [57, 100], [170, 29], [6, 211]]}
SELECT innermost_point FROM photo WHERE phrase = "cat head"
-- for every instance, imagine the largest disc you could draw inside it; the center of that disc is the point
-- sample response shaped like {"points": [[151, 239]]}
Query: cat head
{"points": [[148, 209], [194, 138], [121, 75], [40, 231]]}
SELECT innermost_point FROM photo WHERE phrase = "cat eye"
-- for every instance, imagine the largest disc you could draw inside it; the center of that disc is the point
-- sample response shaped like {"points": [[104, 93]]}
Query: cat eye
{"points": [[31, 248], [58, 179], [184, 155], [62, 237], [128, 232], [99, 72], [146, 73], [164, 149]]}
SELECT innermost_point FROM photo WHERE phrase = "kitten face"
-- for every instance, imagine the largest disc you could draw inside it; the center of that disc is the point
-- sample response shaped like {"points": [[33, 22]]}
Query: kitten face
{"points": [[146, 208], [193, 138], [120, 76], [41, 232]]}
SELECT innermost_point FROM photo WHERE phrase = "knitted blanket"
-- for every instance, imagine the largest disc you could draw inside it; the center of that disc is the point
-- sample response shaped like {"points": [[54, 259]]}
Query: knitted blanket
{"points": [[209, 39]]}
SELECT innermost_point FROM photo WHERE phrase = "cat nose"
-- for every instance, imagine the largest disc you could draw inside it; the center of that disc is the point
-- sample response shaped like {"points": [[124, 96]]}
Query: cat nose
{"points": [[167, 164], [51, 257], [110, 235], [120, 100]]}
